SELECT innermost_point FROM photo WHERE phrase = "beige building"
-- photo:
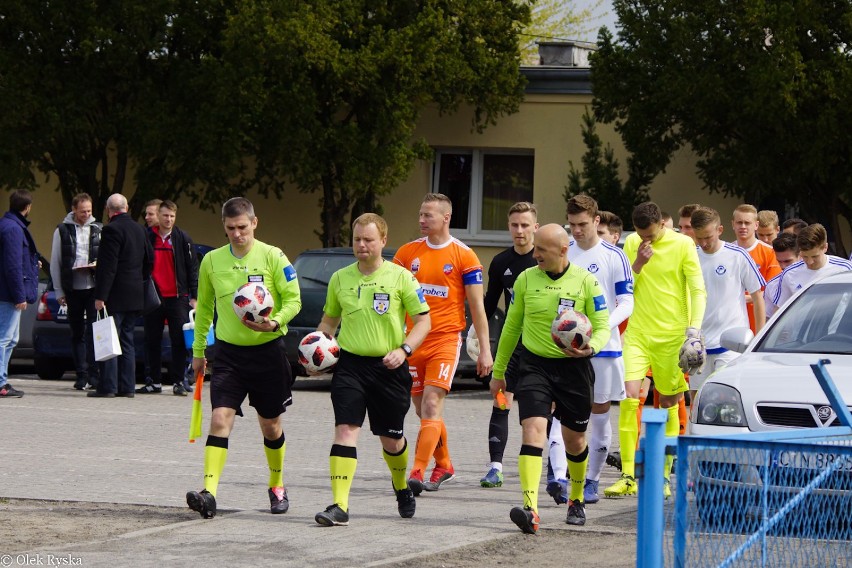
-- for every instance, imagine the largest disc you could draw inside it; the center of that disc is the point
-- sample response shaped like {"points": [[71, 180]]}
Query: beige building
{"points": [[525, 156]]}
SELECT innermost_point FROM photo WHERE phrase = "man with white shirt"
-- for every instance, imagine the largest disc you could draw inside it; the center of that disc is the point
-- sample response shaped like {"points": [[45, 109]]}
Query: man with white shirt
{"points": [[728, 272], [787, 252], [815, 263], [610, 266], [75, 249]]}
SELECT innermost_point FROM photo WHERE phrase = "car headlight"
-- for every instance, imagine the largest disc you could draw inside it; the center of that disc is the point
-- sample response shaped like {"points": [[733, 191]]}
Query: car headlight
{"points": [[720, 405]]}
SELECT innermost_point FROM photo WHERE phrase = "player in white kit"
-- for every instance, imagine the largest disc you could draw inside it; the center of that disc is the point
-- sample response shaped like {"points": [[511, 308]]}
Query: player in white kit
{"points": [[610, 266], [815, 263], [728, 271]]}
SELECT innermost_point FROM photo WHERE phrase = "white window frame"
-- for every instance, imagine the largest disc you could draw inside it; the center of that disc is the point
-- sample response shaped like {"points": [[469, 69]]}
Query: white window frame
{"points": [[474, 234]]}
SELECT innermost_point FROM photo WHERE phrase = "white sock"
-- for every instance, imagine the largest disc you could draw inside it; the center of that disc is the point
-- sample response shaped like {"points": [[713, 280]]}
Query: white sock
{"points": [[558, 461], [600, 438], [496, 465]]}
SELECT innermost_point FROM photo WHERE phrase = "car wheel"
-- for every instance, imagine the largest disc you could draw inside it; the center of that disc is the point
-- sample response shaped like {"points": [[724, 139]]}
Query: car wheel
{"points": [[49, 369]]}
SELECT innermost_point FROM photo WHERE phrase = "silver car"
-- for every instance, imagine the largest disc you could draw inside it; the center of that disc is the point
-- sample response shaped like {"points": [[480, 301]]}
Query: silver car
{"points": [[771, 385]]}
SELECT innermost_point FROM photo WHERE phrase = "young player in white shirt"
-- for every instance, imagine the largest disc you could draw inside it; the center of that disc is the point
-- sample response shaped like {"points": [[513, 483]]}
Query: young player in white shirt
{"points": [[815, 263], [728, 271], [610, 266], [786, 252]]}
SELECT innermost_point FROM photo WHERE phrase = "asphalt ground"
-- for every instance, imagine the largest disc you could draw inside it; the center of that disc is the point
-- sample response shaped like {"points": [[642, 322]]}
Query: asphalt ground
{"points": [[61, 445]]}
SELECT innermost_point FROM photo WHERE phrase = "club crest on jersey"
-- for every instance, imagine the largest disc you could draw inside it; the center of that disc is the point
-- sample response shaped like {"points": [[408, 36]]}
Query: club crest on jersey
{"points": [[415, 265], [593, 268], [720, 270], [564, 304], [448, 268], [381, 303]]}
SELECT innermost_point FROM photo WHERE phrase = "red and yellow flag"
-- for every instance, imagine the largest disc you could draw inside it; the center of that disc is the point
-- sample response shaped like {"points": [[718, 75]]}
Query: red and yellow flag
{"points": [[195, 420]]}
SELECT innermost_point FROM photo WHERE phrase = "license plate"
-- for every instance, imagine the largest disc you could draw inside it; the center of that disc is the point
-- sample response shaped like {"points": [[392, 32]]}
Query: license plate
{"points": [[811, 460]]}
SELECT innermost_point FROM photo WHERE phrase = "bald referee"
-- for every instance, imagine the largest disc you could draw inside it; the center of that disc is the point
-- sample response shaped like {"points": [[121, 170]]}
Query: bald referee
{"points": [[370, 298], [250, 356]]}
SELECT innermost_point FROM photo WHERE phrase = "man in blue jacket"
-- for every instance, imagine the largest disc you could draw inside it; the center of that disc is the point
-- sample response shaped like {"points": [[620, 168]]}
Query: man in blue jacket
{"points": [[18, 280]]}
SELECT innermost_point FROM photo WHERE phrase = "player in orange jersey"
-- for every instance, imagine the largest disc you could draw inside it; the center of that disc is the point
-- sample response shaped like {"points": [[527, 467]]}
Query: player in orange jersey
{"points": [[745, 228], [448, 271]]}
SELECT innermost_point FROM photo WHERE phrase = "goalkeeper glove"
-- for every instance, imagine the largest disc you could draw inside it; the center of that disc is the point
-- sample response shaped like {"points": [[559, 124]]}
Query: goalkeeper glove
{"points": [[692, 353], [472, 344]]}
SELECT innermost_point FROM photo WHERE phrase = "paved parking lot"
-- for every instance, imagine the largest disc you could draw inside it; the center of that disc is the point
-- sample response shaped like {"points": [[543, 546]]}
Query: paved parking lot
{"points": [[62, 445]]}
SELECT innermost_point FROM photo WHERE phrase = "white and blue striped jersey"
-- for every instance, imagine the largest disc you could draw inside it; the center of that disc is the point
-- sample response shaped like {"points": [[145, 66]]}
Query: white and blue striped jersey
{"points": [[728, 273], [609, 265], [769, 294], [798, 274]]}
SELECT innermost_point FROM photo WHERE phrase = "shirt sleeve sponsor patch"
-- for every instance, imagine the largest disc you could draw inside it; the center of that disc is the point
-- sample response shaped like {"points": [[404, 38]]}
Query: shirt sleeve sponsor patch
{"points": [[600, 303], [289, 273], [421, 296], [473, 277], [623, 287]]}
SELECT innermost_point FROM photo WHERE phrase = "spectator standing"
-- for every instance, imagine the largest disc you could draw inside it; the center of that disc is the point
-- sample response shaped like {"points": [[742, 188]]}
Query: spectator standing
{"points": [[175, 274], [152, 212], [18, 281], [125, 259], [72, 268]]}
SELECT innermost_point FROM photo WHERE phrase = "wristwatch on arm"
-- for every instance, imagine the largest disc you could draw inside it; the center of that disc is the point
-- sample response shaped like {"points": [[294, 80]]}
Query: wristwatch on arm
{"points": [[407, 348]]}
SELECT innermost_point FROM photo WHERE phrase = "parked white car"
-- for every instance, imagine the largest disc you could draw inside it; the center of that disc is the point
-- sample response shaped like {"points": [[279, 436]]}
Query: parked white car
{"points": [[771, 386]]}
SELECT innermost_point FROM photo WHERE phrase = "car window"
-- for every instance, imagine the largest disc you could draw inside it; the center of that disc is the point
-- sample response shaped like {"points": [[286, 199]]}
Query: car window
{"points": [[314, 271], [819, 321]]}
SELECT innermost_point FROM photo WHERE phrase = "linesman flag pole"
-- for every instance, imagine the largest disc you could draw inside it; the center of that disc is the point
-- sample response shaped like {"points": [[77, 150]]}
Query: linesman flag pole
{"points": [[195, 420]]}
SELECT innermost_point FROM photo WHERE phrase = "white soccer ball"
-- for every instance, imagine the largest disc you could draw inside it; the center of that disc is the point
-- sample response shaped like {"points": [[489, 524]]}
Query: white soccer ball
{"points": [[253, 302], [571, 329], [318, 352]]}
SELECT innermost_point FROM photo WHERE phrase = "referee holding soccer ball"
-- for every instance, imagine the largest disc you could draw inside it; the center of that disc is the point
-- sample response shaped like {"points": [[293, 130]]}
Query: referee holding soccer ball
{"points": [[370, 298], [547, 374], [250, 357]]}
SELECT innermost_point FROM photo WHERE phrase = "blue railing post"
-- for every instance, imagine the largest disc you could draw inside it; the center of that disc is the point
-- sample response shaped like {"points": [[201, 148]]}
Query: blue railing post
{"points": [[650, 461]]}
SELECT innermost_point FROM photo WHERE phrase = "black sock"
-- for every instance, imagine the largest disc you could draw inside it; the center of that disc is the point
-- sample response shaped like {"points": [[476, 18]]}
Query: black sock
{"points": [[498, 432]]}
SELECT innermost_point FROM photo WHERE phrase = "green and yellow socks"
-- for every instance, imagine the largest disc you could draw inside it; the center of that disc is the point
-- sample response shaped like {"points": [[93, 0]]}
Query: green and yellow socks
{"points": [[215, 455], [275, 450]]}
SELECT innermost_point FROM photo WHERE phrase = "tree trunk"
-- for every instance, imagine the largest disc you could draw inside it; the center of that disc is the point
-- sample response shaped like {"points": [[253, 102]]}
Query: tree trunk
{"points": [[335, 206]]}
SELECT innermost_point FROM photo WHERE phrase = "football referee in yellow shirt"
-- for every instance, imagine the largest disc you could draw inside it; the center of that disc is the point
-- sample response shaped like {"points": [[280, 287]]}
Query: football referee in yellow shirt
{"points": [[370, 299], [548, 375]]}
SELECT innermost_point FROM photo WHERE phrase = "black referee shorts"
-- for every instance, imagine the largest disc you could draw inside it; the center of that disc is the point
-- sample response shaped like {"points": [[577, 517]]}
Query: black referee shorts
{"points": [[512, 368], [363, 386], [568, 382], [260, 372]]}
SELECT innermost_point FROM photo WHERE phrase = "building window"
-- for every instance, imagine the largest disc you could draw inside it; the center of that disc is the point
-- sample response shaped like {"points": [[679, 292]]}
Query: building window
{"points": [[482, 185]]}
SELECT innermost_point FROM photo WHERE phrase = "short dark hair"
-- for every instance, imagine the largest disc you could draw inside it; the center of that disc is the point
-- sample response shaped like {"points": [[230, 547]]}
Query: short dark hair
{"points": [[646, 214], [811, 237], [582, 203], [19, 200], [796, 224], [168, 204], [523, 207], [687, 210], [703, 217], [237, 206], [785, 242], [613, 221], [79, 198]]}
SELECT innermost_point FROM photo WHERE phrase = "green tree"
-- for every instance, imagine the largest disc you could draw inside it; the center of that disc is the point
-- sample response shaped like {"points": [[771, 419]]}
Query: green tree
{"points": [[88, 90], [760, 91], [601, 180], [331, 91]]}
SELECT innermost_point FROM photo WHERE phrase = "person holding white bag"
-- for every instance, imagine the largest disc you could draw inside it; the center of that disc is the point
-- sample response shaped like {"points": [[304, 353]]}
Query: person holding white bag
{"points": [[125, 261]]}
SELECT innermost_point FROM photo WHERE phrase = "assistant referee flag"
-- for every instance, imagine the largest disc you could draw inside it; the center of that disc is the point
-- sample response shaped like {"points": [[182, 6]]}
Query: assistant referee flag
{"points": [[195, 419]]}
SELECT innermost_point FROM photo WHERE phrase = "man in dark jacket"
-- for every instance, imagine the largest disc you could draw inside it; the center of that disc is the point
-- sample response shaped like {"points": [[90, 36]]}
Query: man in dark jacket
{"points": [[125, 259], [75, 250], [176, 276], [18, 280]]}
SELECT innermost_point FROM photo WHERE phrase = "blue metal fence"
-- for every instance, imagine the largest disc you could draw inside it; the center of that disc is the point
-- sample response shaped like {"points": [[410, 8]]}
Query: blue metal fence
{"points": [[776, 499]]}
